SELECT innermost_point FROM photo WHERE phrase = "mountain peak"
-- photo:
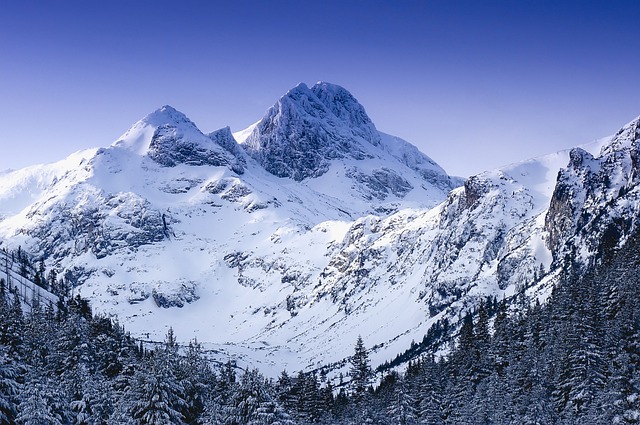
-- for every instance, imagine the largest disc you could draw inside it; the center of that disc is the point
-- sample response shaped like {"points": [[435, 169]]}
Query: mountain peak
{"points": [[347, 108], [138, 137], [169, 138], [300, 87], [167, 114], [309, 127], [631, 129]]}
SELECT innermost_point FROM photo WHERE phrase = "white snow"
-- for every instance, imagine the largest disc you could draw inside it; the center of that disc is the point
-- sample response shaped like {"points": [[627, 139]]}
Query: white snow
{"points": [[242, 135]]}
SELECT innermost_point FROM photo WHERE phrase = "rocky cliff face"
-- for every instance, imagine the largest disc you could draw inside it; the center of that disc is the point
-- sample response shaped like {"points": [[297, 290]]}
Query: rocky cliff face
{"points": [[302, 133], [310, 130], [595, 206], [169, 138]]}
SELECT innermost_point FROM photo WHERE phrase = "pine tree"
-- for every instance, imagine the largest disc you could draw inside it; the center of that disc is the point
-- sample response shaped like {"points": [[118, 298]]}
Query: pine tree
{"points": [[13, 331], [402, 410], [218, 403], [156, 395], [3, 291], [247, 398], [195, 376], [624, 386], [97, 403], [52, 280], [41, 273], [309, 403], [8, 388], [39, 404], [271, 412], [38, 335], [360, 369], [581, 357], [462, 366], [284, 388], [327, 400], [430, 407]]}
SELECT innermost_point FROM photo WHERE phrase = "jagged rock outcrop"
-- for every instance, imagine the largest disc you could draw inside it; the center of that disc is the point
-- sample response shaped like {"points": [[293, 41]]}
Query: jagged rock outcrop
{"points": [[569, 196], [68, 228], [300, 135], [595, 202], [224, 138], [169, 138], [380, 183]]}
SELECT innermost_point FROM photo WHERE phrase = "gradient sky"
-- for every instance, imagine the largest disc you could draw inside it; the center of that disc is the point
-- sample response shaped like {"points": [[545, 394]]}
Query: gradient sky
{"points": [[474, 84]]}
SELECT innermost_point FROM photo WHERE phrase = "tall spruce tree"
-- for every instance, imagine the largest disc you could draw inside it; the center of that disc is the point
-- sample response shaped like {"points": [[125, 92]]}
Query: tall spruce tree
{"points": [[8, 388], [156, 395], [360, 371]]}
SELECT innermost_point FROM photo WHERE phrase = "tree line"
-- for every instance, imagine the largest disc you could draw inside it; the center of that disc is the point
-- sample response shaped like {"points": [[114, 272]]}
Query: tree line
{"points": [[575, 359]]}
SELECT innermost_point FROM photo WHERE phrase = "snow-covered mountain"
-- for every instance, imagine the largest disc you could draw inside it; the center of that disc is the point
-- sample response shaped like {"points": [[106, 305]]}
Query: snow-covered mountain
{"points": [[280, 244], [322, 137], [169, 226]]}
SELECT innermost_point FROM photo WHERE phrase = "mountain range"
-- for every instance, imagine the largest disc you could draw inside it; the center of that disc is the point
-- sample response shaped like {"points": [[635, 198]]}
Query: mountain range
{"points": [[277, 244]]}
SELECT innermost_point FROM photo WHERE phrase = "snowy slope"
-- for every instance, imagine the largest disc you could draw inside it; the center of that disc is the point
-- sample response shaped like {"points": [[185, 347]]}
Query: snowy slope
{"points": [[20, 188]]}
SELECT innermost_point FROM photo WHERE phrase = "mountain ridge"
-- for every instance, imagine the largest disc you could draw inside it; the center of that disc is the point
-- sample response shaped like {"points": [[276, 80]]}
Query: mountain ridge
{"points": [[276, 264]]}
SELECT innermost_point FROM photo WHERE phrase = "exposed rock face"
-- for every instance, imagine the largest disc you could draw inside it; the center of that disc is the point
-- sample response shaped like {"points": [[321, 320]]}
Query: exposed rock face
{"points": [[348, 110], [224, 138], [595, 201], [179, 141], [474, 189], [67, 229], [170, 294], [569, 196], [168, 149], [380, 183], [300, 134]]}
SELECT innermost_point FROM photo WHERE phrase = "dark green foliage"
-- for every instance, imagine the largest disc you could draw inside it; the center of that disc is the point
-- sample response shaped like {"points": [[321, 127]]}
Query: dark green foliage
{"points": [[360, 369], [436, 336]]}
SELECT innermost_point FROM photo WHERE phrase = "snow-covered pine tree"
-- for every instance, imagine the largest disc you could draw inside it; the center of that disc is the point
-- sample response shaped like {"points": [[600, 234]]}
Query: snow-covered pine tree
{"points": [[156, 396], [195, 375], [246, 398], [8, 388], [39, 403], [402, 409], [360, 371], [271, 413], [431, 388]]}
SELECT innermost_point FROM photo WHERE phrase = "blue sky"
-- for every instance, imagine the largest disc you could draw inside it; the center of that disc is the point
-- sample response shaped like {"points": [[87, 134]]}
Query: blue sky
{"points": [[474, 84]]}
